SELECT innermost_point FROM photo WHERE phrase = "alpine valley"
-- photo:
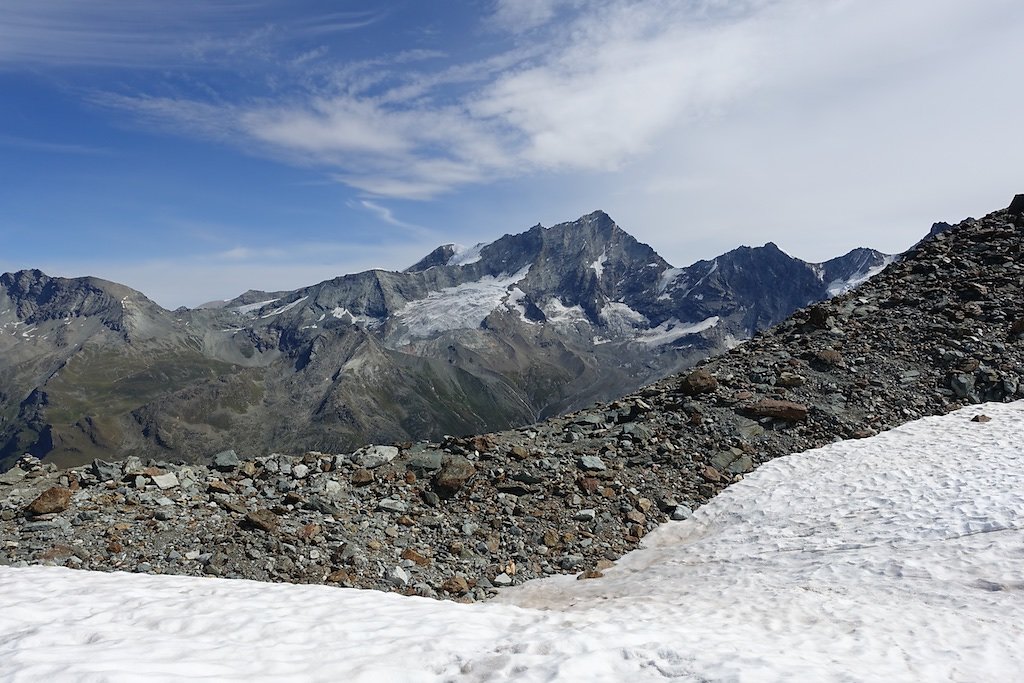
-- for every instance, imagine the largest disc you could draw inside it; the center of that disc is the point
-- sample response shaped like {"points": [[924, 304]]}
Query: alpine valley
{"points": [[465, 341]]}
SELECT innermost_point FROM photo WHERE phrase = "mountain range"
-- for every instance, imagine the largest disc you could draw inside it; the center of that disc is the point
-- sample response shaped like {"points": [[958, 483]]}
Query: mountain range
{"points": [[465, 341]]}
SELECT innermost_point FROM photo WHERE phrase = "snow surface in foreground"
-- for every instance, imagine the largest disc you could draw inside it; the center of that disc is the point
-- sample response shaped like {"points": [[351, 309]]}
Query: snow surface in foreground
{"points": [[899, 557]]}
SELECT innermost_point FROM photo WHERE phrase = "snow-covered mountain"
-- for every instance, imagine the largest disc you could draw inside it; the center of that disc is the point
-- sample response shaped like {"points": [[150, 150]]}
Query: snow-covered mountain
{"points": [[465, 340]]}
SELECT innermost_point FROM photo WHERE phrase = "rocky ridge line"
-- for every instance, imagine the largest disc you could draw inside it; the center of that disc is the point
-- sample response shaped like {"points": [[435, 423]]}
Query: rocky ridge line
{"points": [[463, 518]]}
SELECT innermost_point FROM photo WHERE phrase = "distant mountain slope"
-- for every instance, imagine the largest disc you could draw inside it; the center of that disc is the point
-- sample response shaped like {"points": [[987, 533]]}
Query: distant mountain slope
{"points": [[466, 340]]}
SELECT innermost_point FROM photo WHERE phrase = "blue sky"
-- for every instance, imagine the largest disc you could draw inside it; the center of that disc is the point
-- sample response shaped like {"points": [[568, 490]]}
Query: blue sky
{"points": [[197, 149]]}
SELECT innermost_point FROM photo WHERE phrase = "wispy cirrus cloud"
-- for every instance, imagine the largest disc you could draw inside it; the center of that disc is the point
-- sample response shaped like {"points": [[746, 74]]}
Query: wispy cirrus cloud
{"points": [[16, 142], [386, 215], [154, 33]]}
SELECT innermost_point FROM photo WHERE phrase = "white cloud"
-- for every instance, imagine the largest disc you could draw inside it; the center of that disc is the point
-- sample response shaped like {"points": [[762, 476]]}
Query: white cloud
{"points": [[387, 215], [698, 124], [522, 15]]}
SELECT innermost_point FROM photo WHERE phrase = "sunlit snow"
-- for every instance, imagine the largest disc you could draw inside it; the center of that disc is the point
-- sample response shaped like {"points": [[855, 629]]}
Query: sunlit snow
{"points": [[558, 313], [668, 278], [671, 330], [620, 318], [341, 313], [895, 558], [252, 308], [284, 309], [454, 308], [514, 302], [837, 287], [464, 256], [598, 265]]}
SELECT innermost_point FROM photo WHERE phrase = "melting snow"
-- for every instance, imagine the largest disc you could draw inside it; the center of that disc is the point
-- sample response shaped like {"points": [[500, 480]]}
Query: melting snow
{"points": [[671, 330], [559, 314], [514, 303], [456, 308], [252, 308], [464, 256], [366, 321], [598, 265], [837, 287], [285, 308], [895, 558], [622, 319], [667, 278], [712, 269]]}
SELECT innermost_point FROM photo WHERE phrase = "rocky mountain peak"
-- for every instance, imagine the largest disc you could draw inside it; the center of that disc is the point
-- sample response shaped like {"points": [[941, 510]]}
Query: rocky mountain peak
{"points": [[38, 297], [1016, 207], [439, 257]]}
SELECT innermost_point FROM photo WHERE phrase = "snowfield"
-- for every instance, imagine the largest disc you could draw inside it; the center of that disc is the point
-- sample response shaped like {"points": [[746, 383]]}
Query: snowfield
{"points": [[464, 306], [895, 558]]}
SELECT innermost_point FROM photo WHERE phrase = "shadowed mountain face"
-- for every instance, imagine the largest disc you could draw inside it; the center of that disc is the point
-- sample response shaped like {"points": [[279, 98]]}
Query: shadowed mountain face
{"points": [[466, 340]]}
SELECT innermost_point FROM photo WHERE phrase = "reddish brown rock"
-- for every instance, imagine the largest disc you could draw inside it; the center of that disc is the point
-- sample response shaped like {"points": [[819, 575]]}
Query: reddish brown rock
{"points": [[410, 554], [698, 382], [56, 499], [308, 531], [338, 576], [782, 410], [455, 585], [453, 476], [362, 477], [829, 357], [481, 444], [711, 474], [218, 486], [262, 519], [981, 418]]}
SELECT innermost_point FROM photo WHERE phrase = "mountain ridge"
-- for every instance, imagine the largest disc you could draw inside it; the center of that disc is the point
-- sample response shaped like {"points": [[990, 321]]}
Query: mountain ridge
{"points": [[505, 333]]}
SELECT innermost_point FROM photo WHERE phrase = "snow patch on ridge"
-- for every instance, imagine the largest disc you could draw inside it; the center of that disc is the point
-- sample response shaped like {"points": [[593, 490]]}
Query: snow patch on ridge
{"points": [[558, 313], [252, 308], [837, 287], [671, 330], [514, 303], [343, 313], [464, 256], [598, 265], [285, 308], [668, 278], [620, 318]]}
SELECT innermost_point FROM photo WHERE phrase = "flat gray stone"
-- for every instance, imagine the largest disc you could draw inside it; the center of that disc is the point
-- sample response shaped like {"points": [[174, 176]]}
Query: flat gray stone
{"points": [[165, 481], [226, 460], [681, 512], [591, 463], [374, 456], [12, 476], [392, 505]]}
